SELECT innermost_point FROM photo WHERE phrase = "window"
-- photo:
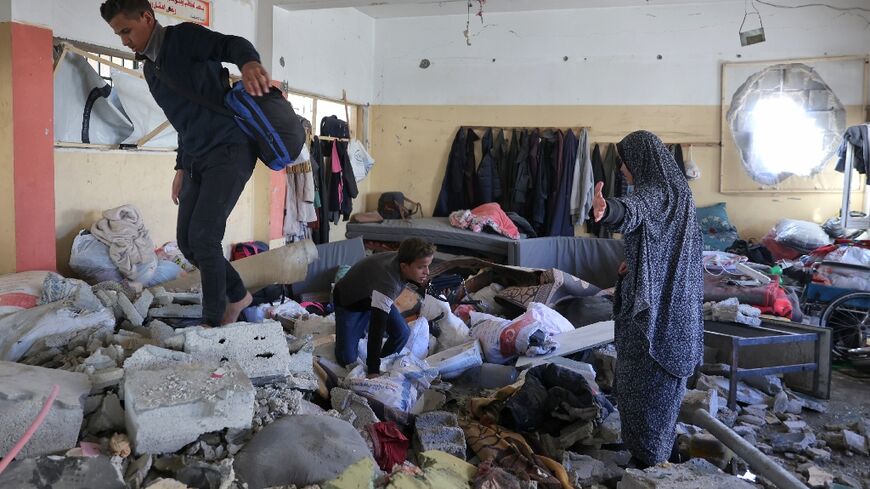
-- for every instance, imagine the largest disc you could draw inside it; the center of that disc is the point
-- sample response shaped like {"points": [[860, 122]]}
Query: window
{"points": [[786, 121], [315, 108], [106, 58]]}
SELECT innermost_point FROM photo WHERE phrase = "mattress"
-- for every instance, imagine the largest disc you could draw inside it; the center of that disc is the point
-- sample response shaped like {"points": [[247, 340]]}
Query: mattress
{"points": [[436, 230]]}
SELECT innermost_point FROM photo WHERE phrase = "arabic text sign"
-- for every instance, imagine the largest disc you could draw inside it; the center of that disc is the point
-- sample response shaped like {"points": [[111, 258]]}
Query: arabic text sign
{"points": [[197, 11]]}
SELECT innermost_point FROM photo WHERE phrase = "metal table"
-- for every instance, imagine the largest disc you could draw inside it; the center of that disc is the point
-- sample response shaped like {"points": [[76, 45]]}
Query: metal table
{"points": [[737, 342]]}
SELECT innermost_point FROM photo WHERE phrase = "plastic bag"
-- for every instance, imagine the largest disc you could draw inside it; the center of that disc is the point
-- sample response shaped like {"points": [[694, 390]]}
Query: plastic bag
{"points": [[529, 334], [803, 236], [717, 262], [404, 376], [418, 342], [360, 160], [452, 331], [19, 291]]}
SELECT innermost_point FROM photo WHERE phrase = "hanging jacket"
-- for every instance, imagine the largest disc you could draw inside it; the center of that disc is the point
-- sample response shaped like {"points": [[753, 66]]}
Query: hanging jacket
{"points": [[561, 223], [469, 170], [555, 168], [508, 172], [453, 184], [349, 187], [321, 185], [522, 179], [487, 183]]}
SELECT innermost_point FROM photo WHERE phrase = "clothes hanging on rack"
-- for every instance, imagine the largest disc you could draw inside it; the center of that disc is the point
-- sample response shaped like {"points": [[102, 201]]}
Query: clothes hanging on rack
{"points": [[487, 183], [583, 181], [561, 223], [452, 195], [321, 172], [299, 201], [506, 171]]}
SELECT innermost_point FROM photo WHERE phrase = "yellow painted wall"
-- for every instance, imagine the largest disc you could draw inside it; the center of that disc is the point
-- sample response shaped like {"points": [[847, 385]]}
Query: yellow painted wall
{"points": [[411, 145], [88, 182], [7, 195]]}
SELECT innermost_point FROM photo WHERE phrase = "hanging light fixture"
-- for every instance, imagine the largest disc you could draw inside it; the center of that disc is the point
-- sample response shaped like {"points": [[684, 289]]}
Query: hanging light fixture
{"points": [[751, 36]]}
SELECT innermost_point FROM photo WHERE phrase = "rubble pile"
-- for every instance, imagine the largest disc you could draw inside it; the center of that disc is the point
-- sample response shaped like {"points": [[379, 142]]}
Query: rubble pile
{"points": [[149, 399]]}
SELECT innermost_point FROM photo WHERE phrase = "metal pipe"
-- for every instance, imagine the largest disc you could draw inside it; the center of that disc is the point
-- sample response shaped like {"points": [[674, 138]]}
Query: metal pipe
{"points": [[758, 461]]}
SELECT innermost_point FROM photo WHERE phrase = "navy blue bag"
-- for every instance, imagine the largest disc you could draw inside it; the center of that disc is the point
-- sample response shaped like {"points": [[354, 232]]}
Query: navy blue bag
{"points": [[269, 120]]}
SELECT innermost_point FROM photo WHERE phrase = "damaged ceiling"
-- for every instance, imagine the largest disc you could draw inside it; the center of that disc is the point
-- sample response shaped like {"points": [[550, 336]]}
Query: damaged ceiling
{"points": [[418, 8]]}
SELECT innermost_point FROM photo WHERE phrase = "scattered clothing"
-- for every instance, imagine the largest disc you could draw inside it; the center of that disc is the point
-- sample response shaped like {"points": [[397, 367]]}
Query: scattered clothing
{"points": [[124, 232], [487, 216], [732, 311], [390, 446], [859, 138]]}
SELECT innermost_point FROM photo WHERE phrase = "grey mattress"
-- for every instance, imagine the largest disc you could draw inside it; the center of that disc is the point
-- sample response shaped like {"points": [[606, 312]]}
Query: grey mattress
{"points": [[436, 230]]}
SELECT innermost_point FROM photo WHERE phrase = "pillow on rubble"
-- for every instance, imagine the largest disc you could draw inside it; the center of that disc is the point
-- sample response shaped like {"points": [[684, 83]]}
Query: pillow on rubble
{"points": [[717, 230]]}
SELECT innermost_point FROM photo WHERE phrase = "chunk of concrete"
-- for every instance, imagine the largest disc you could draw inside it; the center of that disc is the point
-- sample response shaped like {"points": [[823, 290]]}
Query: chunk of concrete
{"points": [[691, 475], [105, 379], [151, 357], [792, 442], [109, 417], [769, 384], [176, 311], [260, 348], [23, 391], [816, 477], [855, 442], [63, 473], [353, 407], [143, 303], [300, 450], [583, 470], [439, 430], [169, 408], [129, 311], [301, 365]]}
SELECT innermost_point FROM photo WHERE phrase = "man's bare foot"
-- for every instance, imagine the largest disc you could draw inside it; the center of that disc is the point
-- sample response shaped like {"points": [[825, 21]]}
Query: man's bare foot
{"points": [[231, 313]]}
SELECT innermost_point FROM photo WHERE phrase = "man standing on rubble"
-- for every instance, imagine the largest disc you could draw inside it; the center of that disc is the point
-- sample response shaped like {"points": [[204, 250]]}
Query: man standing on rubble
{"points": [[364, 299], [215, 158]]}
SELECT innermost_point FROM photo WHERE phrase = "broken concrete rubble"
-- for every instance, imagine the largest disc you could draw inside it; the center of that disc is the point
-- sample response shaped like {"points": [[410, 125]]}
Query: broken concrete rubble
{"points": [[109, 417], [691, 475], [151, 357], [354, 408], [439, 430], [260, 349], [23, 391], [176, 311], [62, 473], [169, 408]]}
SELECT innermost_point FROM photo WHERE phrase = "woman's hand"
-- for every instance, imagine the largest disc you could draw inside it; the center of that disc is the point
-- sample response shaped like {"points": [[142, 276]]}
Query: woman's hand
{"points": [[599, 204]]}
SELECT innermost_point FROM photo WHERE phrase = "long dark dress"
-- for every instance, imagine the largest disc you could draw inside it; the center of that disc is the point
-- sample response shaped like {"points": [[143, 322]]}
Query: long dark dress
{"points": [[658, 302]]}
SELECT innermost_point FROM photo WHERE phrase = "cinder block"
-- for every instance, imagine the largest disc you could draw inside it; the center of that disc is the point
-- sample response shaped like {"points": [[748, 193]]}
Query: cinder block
{"points": [[439, 430], [23, 391], [169, 408], [176, 311], [260, 348]]}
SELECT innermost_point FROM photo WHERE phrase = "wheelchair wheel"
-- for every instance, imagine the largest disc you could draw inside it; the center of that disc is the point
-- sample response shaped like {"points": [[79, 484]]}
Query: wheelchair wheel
{"points": [[848, 317]]}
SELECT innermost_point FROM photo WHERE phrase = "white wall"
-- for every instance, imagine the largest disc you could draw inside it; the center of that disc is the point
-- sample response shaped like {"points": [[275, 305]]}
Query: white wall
{"points": [[325, 51], [517, 58], [80, 19], [5, 10]]}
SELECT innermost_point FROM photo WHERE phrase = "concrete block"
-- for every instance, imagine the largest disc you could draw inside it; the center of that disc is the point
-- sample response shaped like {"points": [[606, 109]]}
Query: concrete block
{"points": [[301, 365], [792, 442], [143, 303], [691, 475], [583, 470], [161, 297], [352, 406], [23, 391], [105, 379], [151, 357], [768, 384], [176, 311], [108, 418], [439, 430], [129, 311], [261, 348], [186, 297], [169, 408], [855, 442]]}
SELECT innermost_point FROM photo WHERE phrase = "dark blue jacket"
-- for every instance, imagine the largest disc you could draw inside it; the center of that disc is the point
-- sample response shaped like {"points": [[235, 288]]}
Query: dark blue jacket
{"points": [[191, 57]]}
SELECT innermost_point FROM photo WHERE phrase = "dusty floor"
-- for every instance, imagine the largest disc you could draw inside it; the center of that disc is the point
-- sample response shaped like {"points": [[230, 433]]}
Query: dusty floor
{"points": [[850, 402]]}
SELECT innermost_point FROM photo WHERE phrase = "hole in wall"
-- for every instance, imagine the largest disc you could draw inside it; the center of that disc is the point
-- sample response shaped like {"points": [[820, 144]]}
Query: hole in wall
{"points": [[265, 355], [281, 61], [424, 63], [222, 341]]}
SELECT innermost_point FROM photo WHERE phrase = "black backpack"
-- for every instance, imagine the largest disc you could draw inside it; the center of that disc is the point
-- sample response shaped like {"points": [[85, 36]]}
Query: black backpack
{"points": [[334, 127], [394, 205]]}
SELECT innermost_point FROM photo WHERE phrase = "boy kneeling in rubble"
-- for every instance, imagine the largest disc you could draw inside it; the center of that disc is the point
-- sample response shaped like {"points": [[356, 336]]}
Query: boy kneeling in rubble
{"points": [[364, 301]]}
